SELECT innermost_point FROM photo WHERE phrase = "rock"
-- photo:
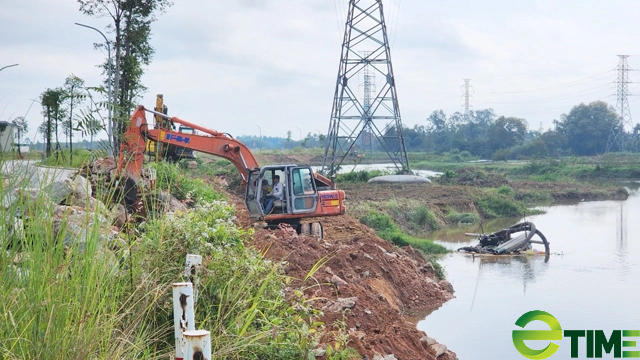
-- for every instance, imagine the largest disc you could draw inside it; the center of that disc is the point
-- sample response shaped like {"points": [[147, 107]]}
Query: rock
{"points": [[192, 164], [427, 268], [328, 270], [59, 191], [318, 352], [446, 286], [119, 214], [337, 281], [428, 340], [341, 304], [439, 349], [360, 335], [80, 187], [387, 357]]}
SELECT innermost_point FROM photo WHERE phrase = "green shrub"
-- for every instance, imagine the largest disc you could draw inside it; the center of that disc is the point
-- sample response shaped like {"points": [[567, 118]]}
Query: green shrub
{"points": [[498, 205], [241, 297], [505, 190], [183, 185], [424, 218], [388, 230], [454, 217]]}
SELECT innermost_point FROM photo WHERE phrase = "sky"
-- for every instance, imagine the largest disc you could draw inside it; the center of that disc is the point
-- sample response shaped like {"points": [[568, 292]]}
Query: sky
{"points": [[252, 67]]}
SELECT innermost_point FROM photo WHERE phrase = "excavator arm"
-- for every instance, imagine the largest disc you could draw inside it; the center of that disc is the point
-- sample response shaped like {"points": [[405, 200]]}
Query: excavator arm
{"points": [[213, 142]]}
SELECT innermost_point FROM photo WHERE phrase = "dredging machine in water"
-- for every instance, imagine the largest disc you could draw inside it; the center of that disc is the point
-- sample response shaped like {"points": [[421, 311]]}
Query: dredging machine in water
{"points": [[503, 242]]}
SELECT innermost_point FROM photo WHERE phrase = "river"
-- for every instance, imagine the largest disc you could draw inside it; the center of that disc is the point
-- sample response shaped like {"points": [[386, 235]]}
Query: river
{"points": [[591, 281]]}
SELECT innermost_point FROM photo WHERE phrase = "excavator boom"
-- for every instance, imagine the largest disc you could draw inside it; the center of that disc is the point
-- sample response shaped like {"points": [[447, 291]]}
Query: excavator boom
{"points": [[216, 143]]}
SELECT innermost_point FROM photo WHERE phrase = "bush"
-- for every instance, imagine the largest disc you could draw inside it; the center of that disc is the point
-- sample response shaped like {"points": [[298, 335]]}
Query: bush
{"points": [[388, 230], [183, 185], [498, 205], [505, 190], [424, 218], [241, 297], [454, 217]]}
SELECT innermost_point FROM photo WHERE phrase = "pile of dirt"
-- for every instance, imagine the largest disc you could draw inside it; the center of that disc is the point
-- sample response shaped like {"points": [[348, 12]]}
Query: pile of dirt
{"points": [[365, 283]]}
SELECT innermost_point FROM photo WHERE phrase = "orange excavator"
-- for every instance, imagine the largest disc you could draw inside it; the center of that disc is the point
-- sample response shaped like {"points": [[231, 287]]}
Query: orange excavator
{"points": [[307, 194]]}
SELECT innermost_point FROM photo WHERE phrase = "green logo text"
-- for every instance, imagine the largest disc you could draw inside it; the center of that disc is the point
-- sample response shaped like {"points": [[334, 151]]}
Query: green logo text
{"points": [[595, 341]]}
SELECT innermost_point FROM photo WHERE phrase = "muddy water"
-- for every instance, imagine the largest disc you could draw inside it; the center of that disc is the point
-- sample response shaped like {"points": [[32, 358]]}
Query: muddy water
{"points": [[591, 281]]}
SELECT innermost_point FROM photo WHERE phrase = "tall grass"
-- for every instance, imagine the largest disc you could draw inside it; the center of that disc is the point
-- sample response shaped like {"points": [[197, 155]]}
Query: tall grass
{"points": [[388, 230], [70, 290], [63, 293]]}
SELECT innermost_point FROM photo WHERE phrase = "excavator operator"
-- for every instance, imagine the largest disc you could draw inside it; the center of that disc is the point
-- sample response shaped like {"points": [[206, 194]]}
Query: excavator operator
{"points": [[275, 194]]}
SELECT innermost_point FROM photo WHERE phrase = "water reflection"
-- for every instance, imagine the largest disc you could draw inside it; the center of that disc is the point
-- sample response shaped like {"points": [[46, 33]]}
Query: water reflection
{"points": [[587, 282]]}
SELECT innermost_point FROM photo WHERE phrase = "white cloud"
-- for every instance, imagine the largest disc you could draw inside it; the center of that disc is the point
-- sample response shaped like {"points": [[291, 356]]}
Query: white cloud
{"points": [[237, 65]]}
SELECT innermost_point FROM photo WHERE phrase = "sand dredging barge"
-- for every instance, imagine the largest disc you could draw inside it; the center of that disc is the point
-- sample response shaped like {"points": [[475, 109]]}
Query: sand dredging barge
{"points": [[504, 242]]}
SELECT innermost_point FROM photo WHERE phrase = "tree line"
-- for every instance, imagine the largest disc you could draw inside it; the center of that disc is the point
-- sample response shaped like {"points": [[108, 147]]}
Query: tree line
{"points": [[586, 130]]}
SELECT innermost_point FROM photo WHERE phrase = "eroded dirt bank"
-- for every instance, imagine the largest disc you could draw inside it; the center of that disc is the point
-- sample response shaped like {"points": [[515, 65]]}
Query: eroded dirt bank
{"points": [[364, 287]]}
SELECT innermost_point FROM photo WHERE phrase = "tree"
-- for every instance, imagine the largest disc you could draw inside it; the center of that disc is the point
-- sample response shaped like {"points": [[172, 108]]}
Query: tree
{"points": [[132, 29], [555, 141], [587, 127], [288, 139], [51, 100], [506, 132], [439, 131], [91, 122], [73, 87], [22, 126]]}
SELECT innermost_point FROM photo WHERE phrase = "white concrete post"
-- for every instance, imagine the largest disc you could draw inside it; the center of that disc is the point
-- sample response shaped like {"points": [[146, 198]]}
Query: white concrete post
{"points": [[183, 315], [198, 345], [191, 270]]}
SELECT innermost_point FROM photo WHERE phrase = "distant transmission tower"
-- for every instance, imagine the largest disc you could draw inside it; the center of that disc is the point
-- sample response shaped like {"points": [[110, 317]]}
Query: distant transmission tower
{"points": [[618, 137], [467, 106], [374, 114]]}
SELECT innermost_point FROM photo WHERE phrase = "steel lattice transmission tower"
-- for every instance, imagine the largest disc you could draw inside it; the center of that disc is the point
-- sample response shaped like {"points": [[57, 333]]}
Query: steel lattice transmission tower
{"points": [[467, 105], [357, 118], [618, 137]]}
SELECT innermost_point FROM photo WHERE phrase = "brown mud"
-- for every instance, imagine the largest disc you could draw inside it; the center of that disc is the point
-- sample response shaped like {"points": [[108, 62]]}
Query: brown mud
{"points": [[366, 287]]}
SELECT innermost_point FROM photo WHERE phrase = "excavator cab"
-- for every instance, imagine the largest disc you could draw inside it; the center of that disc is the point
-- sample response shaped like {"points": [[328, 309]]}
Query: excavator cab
{"points": [[300, 194]]}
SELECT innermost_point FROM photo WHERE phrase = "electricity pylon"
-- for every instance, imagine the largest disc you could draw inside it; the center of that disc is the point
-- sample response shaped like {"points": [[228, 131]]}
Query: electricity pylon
{"points": [[359, 117], [618, 137]]}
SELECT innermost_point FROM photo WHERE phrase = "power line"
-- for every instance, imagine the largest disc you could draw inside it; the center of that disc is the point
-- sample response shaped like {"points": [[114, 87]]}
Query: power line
{"points": [[569, 84], [564, 97]]}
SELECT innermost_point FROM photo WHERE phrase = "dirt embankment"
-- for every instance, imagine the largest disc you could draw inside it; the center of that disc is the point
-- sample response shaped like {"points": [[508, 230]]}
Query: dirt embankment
{"points": [[364, 287]]}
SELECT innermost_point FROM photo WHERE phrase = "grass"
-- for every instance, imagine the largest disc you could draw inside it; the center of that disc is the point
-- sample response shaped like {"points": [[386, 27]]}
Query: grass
{"points": [[494, 204], [69, 290], [64, 158], [388, 230]]}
